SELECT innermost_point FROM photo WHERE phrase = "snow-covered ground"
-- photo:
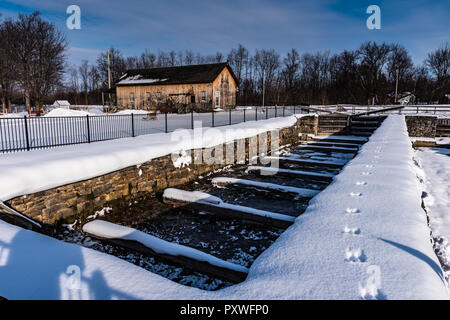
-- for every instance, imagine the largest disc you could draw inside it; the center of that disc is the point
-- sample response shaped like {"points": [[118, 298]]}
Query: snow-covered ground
{"points": [[365, 236], [63, 126], [434, 171], [30, 172]]}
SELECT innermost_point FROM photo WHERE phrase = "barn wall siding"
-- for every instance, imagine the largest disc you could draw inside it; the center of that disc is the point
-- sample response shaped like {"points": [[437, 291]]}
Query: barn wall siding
{"points": [[180, 94]]}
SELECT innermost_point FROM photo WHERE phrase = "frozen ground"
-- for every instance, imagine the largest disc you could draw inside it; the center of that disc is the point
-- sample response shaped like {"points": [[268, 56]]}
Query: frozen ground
{"points": [[363, 237], [434, 171]]}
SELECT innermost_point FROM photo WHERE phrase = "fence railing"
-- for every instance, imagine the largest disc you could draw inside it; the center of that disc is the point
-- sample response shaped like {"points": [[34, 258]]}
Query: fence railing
{"points": [[27, 133], [408, 109]]}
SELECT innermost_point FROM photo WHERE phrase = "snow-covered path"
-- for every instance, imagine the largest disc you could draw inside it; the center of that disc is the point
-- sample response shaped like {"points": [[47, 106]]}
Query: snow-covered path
{"points": [[365, 236], [435, 173]]}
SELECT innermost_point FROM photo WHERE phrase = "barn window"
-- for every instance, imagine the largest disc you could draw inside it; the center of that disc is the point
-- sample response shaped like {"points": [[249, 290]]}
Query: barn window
{"points": [[217, 98], [132, 99], [203, 95]]}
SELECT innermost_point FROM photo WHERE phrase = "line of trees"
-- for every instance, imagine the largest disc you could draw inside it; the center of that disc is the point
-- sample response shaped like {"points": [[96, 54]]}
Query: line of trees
{"points": [[31, 60], [33, 71], [363, 76]]}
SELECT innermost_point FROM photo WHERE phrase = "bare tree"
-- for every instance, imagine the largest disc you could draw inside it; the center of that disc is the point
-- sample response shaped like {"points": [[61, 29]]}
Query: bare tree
{"points": [[7, 75], [117, 64], [189, 57], [290, 72], [84, 75], [37, 51], [438, 63], [373, 59]]}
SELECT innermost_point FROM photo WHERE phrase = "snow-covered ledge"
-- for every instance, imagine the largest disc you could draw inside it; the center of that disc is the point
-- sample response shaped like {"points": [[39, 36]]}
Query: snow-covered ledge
{"points": [[366, 235]]}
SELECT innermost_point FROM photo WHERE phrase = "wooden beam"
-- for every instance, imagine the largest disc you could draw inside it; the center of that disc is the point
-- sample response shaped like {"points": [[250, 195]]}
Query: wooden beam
{"points": [[182, 261], [11, 215], [228, 210], [291, 192], [288, 172], [327, 149], [317, 163]]}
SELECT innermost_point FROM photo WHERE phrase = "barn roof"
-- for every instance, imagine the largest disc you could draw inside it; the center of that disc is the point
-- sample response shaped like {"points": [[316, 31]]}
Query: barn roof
{"points": [[202, 73]]}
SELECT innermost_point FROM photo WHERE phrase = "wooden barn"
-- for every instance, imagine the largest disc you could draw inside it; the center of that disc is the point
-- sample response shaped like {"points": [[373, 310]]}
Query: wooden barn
{"points": [[181, 89]]}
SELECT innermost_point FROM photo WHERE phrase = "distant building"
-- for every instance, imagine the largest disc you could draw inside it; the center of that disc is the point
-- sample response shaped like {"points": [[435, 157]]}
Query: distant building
{"points": [[61, 104], [406, 98], [184, 88]]}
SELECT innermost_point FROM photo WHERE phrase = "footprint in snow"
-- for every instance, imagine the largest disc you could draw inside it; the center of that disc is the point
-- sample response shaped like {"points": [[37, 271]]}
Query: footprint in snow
{"points": [[355, 194], [361, 183], [355, 255], [369, 166], [366, 173], [352, 231], [352, 210]]}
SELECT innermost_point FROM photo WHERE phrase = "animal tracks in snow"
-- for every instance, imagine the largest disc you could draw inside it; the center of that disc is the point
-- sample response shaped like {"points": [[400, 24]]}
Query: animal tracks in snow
{"points": [[352, 231], [355, 194], [361, 183], [355, 255], [352, 210]]}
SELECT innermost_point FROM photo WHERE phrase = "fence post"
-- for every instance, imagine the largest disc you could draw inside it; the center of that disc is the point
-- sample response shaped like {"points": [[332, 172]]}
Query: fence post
{"points": [[132, 125], [213, 118], [192, 120], [276, 111], [229, 116], [256, 113], [294, 109], [244, 114], [26, 133], [165, 122], [88, 129], [267, 113], [284, 111]]}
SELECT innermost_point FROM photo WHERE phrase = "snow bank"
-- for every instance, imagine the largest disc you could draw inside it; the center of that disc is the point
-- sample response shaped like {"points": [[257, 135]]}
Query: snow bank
{"points": [[434, 171], [30, 172], [33, 266], [60, 112], [130, 111], [108, 230], [365, 236], [14, 115]]}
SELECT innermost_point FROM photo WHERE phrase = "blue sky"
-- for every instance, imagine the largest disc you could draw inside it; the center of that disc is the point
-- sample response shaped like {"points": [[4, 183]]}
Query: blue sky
{"points": [[208, 26]]}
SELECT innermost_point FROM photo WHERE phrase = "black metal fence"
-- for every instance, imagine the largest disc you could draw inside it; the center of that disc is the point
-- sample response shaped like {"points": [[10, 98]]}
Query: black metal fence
{"points": [[27, 133]]}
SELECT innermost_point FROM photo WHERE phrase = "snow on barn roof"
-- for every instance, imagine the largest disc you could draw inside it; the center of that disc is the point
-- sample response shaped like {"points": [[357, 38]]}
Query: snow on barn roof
{"points": [[202, 73], [61, 103]]}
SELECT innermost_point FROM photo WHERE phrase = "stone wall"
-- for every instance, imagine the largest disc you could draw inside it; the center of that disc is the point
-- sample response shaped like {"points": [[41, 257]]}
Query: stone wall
{"points": [[308, 125], [85, 197], [421, 126]]}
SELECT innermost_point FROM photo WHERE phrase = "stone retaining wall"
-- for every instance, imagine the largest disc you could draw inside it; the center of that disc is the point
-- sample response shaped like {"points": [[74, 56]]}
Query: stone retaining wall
{"points": [[421, 126], [85, 197]]}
